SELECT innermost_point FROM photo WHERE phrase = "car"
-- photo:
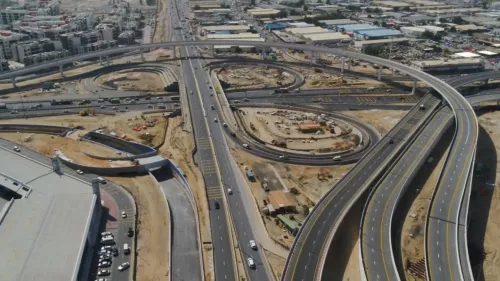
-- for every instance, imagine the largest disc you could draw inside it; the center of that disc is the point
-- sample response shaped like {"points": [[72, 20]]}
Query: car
{"points": [[14, 112], [115, 252], [150, 106], [224, 125], [17, 149], [123, 266], [191, 92], [115, 108], [124, 215], [216, 205], [253, 245], [67, 111], [251, 263], [215, 120], [39, 105], [104, 264], [337, 158], [283, 157], [106, 233], [391, 141], [80, 172], [159, 98], [130, 232], [101, 279], [104, 252], [229, 191], [105, 257], [103, 272], [102, 106]]}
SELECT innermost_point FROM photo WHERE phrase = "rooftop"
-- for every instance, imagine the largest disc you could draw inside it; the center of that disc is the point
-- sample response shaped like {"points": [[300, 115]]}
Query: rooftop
{"points": [[465, 55], [279, 199], [226, 27], [327, 36], [391, 4], [487, 53], [338, 22], [446, 62], [379, 32], [306, 30], [42, 236], [356, 27], [239, 36]]}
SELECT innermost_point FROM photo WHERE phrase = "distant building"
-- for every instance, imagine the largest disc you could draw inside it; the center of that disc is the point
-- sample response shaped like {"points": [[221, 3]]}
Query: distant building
{"points": [[276, 26], [327, 38], [449, 65], [282, 202], [382, 33], [25, 49], [309, 127], [7, 38]]}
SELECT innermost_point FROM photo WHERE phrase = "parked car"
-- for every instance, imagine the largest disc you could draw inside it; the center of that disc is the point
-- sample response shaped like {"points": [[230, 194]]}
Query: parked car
{"points": [[123, 266], [104, 264], [17, 149], [124, 215], [80, 172], [104, 272]]}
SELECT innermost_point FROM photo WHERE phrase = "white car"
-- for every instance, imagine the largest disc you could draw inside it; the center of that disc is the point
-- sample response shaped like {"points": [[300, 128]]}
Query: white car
{"points": [[215, 120], [103, 272], [123, 266], [103, 106], [251, 263], [80, 172], [150, 106], [124, 215], [253, 245], [104, 264], [17, 149]]}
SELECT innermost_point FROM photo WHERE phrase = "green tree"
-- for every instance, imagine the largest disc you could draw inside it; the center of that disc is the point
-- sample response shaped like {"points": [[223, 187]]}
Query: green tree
{"points": [[305, 210], [305, 8], [373, 50], [453, 29], [457, 20]]}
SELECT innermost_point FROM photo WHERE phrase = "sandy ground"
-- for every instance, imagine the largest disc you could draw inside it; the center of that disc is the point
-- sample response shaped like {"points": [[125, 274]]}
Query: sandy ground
{"points": [[352, 272], [273, 126], [276, 263], [254, 77], [162, 22], [153, 251], [71, 148], [315, 80], [122, 124], [382, 120], [412, 237], [487, 205], [132, 81], [178, 146]]}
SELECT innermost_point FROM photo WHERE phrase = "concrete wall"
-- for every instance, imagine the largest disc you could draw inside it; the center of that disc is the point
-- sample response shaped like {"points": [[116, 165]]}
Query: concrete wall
{"points": [[119, 144], [123, 158], [40, 129], [105, 171]]}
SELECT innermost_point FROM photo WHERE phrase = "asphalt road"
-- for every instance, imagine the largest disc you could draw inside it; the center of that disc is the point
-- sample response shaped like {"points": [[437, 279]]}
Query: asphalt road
{"points": [[186, 255], [119, 195], [375, 234], [312, 243], [210, 141]]}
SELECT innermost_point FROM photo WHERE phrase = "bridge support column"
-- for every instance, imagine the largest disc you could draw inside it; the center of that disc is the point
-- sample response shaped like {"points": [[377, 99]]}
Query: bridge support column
{"points": [[349, 64], [61, 71], [142, 54], [107, 60], [486, 81], [13, 78], [212, 49], [379, 73], [262, 54], [100, 60], [313, 57], [342, 61], [414, 88]]}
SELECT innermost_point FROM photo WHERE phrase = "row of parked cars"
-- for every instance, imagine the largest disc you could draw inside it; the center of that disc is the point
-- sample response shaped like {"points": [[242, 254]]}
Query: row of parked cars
{"points": [[109, 250]]}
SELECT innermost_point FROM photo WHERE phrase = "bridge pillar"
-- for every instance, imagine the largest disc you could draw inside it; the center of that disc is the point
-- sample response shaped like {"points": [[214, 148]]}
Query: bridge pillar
{"points": [[61, 71], [379, 73], [100, 60], [342, 61], [414, 87], [349, 64], [95, 189], [262, 54], [486, 81], [56, 165], [313, 58], [212, 48], [142, 54], [107, 60], [13, 78]]}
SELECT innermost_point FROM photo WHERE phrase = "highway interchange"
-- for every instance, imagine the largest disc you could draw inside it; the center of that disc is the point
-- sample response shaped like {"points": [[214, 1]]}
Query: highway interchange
{"points": [[309, 253]]}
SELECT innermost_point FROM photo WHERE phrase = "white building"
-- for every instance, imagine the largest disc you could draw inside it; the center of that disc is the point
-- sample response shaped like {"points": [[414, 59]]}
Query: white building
{"points": [[327, 38], [449, 65]]}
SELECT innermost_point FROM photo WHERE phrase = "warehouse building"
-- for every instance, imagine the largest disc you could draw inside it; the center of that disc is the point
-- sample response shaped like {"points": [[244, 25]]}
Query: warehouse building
{"points": [[332, 24], [276, 26], [356, 27], [465, 55], [327, 38], [300, 24], [212, 13], [412, 31], [298, 31], [239, 36], [230, 28], [50, 222], [361, 45], [288, 38], [375, 34], [445, 65], [262, 13]]}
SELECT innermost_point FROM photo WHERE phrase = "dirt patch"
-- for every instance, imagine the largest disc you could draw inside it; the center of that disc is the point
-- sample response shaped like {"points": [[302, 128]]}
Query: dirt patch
{"points": [[254, 77], [306, 183], [162, 22], [276, 263], [132, 81], [122, 124], [153, 251], [178, 147], [382, 120], [299, 131]]}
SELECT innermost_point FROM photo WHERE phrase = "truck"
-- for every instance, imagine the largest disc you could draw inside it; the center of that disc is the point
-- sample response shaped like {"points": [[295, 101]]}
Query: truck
{"points": [[250, 176], [60, 102], [175, 98], [114, 100]]}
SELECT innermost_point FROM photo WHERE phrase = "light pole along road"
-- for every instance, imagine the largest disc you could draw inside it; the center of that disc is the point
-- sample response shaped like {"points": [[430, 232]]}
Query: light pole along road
{"points": [[462, 149]]}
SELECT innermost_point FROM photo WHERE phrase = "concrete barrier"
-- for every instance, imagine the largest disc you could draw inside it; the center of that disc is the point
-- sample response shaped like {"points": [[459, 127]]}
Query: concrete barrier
{"points": [[119, 144], [104, 171], [123, 158], [40, 129]]}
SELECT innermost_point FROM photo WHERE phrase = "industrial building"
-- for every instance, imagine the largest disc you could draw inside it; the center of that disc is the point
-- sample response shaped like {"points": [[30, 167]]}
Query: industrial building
{"points": [[412, 31], [327, 38], [238, 36], [211, 12], [282, 202], [361, 45], [230, 28], [356, 27], [262, 13], [49, 224], [332, 24], [449, 65], [298, 31], [382, 33], [288, 38], [464, 55], [276, 26]]}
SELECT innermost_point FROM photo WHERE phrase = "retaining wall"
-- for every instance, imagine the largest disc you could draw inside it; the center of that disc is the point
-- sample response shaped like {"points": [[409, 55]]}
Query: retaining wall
{"points": [[119, 144], [27, 128]]}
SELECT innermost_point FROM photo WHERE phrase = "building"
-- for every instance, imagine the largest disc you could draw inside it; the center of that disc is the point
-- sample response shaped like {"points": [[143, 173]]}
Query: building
{"points": [[212, 13], [126, 37], [469, 27], [282, 202], [433, 29], [230, 28], [463, 55], [263, 13], [327, 38], [374, 34], [290, 225], [10, 15], [487, 54], [326, 9], [356, 27], [288, 38], [392, 4], [332, 24], [449, 65], [276, 26], [412, 31], [298, 31], [50, 225], [7, 38], [25, 49], [4, 66], [300, 24], [361, 45], [45, 56], [238, 36], [309, 128]]}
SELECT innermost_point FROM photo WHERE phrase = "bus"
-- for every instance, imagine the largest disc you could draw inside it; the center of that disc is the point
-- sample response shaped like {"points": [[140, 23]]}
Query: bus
{"points": [[114, 100]]}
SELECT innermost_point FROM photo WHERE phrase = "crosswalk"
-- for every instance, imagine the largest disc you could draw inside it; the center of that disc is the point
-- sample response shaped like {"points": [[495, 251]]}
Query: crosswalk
{"points": [[214, 192], [203, 143]]}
